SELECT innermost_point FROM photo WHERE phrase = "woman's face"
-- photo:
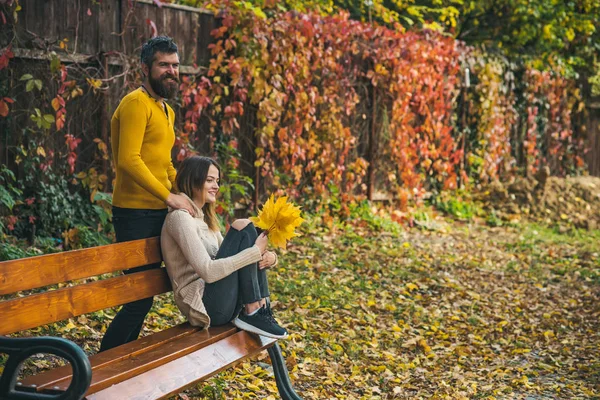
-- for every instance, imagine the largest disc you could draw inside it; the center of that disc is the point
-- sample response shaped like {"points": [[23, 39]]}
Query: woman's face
{"points": [[208, 193]]}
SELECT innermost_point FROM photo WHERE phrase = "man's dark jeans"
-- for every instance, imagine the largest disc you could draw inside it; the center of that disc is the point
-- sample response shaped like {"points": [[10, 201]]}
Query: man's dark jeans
{"points": [[132, 224], [223, 299]]}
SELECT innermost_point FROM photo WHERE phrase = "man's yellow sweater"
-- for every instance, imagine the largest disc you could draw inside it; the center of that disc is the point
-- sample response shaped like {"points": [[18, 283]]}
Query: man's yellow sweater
{"points": [[142, 138]]}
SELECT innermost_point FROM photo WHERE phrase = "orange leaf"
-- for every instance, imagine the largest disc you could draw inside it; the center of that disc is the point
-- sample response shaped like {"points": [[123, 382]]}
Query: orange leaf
{"points": [[3, 108], [55, 104]]}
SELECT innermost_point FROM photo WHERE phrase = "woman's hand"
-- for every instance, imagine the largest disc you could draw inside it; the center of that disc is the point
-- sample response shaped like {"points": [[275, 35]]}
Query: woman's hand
{"points": [[261, 241], [269, 260]]}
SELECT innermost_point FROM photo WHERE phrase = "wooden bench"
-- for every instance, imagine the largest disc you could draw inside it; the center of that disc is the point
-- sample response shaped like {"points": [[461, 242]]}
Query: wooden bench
{"points": [[152, 367]]}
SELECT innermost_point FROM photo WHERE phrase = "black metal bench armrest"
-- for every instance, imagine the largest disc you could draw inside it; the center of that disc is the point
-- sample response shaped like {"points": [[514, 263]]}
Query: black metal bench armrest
{"points": [[20, 349]]}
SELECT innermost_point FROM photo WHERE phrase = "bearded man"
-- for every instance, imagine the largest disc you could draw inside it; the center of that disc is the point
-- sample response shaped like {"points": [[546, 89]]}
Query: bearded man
{"points": [[142, 136]]}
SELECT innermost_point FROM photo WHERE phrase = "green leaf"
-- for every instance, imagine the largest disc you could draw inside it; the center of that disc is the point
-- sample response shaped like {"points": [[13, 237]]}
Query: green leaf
{"points": [[49, 118], [38, 84], [26, 77], [29, 86], [54, 63], [6, 198]]}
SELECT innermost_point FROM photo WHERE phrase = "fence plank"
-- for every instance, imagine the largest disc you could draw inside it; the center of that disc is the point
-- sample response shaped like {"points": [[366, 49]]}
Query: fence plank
{"points": [[593, 138]]}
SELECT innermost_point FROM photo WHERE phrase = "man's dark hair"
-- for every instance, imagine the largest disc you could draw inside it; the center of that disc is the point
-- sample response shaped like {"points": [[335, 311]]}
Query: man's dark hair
{"points": [[164, 44]]}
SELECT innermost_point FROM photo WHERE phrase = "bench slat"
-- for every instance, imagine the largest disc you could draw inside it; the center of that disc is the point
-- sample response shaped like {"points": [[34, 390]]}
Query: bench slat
{"points": [[179, 374], [56, 305], [106, 374], [35, 272], [131, 349]]}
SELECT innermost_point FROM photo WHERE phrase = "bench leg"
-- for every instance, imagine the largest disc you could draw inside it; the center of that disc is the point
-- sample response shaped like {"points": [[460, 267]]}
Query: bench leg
{"points": [[282, 378]]}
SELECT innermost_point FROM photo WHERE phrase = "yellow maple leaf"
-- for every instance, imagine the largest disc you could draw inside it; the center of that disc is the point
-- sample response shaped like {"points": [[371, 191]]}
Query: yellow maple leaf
{"points": [[280, 219]]}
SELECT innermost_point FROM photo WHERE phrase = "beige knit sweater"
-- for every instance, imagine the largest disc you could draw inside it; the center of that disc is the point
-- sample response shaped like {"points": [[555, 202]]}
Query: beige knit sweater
{"points": [[188, 248]]}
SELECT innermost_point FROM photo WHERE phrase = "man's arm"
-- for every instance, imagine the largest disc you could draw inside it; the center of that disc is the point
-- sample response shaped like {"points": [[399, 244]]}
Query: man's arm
{"points": [[172, 173]]}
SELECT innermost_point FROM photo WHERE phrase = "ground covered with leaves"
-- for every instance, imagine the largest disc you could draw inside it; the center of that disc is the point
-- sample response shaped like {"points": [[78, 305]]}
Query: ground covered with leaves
{"points": [[443, 310], [465, 311]]}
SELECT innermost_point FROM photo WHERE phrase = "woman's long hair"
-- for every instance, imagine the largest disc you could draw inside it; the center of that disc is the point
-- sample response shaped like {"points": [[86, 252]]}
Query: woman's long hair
{"points": [[192, 175]]}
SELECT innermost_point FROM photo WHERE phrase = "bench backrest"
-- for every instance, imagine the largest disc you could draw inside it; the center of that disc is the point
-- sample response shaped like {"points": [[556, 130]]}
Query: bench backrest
{"points": [[54, 305]]}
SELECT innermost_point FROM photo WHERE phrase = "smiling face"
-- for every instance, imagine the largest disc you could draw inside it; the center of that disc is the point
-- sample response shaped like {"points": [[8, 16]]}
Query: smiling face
{"points": [[163, 76], [208, 193]]}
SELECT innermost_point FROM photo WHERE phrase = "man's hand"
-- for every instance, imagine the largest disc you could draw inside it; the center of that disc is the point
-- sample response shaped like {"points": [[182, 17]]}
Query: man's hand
{"points": [[269, 260], [179, 202]]}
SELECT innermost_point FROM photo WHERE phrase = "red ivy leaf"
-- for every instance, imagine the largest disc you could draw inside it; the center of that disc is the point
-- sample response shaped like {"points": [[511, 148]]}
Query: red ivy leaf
{"points": [[153, 27], [11, 220], [5, 56], [71, 158]]}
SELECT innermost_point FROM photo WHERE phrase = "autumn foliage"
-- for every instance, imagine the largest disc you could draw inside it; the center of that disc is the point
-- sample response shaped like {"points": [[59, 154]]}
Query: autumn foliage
{"points": [[310, 79], [326, 109]]}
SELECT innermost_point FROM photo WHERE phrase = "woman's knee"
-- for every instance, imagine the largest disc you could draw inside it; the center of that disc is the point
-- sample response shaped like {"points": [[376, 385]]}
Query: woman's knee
{"points": [[240, 224]]}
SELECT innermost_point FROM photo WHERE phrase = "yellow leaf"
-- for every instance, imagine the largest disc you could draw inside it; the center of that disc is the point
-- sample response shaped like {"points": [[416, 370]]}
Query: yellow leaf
{"points": [[69, 326], [165, 311], [424, 346], [94, 83], [252, 387], [280, 219]]}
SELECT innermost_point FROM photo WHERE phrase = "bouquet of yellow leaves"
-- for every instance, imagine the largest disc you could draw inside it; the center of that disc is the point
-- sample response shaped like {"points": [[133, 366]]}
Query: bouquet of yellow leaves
{"points": [[280, 219]]}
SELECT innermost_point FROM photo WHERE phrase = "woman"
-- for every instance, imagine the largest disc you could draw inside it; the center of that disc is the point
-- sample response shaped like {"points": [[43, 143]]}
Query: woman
{"points": [[213, 277]]}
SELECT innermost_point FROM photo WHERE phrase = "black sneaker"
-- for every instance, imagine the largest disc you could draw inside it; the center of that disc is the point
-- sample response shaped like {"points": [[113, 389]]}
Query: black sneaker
{"points": [[270, 312], [261, 323]]}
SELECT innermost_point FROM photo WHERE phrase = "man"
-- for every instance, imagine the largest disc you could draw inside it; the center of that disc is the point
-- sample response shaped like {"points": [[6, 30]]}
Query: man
{"points": [[142, 137]]}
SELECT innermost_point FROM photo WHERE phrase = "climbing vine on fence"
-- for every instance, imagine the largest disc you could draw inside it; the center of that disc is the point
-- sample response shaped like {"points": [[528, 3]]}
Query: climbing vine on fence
{"points": [[550, 140], [492, 114], [301, 73], [336, 108]]}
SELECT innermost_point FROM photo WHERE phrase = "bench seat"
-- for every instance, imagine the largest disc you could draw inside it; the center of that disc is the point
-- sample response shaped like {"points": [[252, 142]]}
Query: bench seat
{"points": [[153, 367], [177, 358]]}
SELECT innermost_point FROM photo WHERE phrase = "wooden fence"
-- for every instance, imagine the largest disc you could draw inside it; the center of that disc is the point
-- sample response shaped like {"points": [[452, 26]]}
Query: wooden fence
{"points": [[592, 130], [98, 37]]}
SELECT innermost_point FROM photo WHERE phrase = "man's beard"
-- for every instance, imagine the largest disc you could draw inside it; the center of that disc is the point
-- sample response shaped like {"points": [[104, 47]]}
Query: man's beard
{"points": [[162, 88]]}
